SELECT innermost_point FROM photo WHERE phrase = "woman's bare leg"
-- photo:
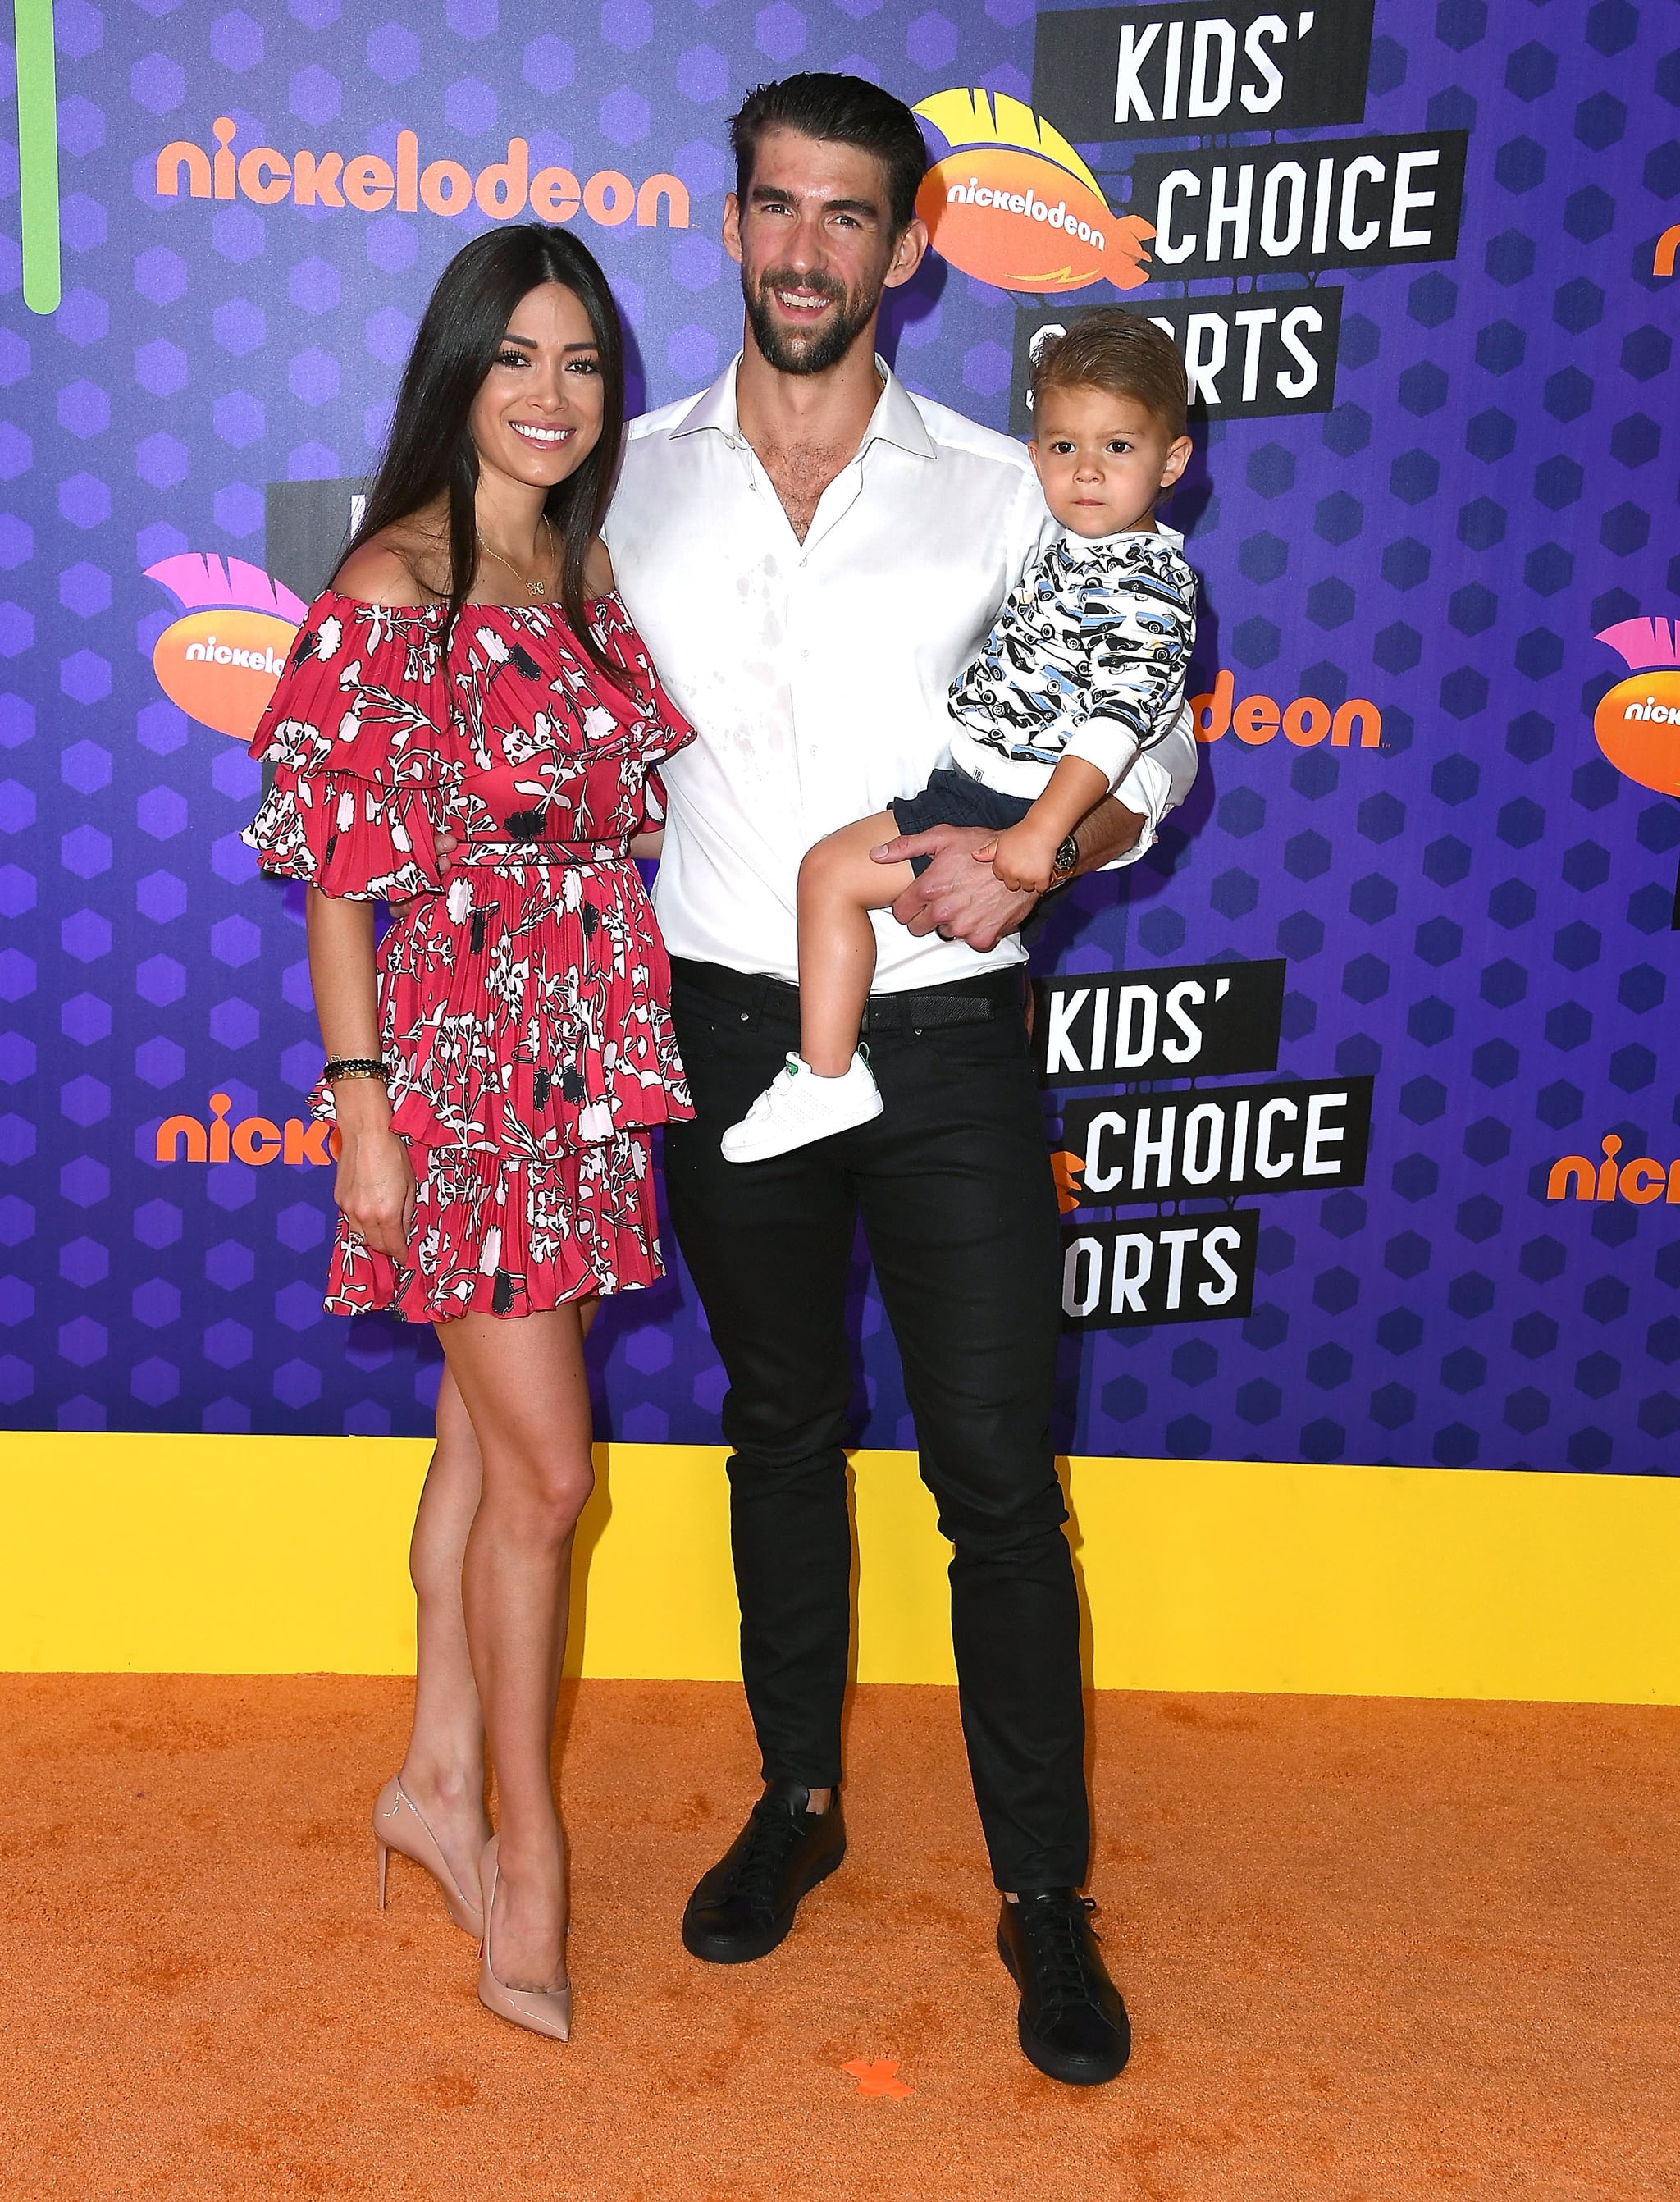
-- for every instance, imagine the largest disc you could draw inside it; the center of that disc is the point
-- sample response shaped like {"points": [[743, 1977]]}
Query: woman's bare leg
{"points": [[839, 883], [443, 1770], [523, 1385]]}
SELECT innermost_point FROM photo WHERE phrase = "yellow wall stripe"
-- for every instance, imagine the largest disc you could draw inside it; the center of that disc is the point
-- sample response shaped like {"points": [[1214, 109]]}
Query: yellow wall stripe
{"points": [[286, 1555]]}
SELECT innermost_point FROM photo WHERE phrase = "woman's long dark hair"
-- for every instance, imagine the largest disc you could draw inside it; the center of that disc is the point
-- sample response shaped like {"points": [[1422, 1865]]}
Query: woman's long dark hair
{"points": [[430, 454]]}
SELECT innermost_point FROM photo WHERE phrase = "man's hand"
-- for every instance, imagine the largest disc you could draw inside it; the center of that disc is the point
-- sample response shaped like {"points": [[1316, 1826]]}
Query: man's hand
{"points": [[955, 897], [1023, 856], [962, 900]]}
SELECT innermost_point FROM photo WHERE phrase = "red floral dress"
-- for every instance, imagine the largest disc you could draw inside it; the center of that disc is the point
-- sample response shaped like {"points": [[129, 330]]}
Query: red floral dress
{"points": [[524, 1005]]}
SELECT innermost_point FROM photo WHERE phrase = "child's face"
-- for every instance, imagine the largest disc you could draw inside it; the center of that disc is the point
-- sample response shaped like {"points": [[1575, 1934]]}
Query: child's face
{"points": [[1102, 459]]}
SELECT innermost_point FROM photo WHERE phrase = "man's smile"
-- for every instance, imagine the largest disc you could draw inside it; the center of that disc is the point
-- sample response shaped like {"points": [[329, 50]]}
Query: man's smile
{"points": [[804, 301]]}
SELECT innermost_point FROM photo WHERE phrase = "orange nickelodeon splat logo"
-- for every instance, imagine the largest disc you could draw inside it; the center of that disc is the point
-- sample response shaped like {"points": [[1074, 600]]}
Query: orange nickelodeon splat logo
{"points": [[1642, 1181], [254, 1140], [1014, 204], [1662, 261], [1638, 722], [220, 661]]}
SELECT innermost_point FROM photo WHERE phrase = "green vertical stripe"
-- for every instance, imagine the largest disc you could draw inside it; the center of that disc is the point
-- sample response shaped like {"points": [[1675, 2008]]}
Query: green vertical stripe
{"points": [[37, 154]]}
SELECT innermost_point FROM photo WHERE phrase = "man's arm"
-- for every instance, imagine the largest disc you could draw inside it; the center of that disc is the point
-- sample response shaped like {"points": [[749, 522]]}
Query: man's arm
{"points": [[962, 900]]}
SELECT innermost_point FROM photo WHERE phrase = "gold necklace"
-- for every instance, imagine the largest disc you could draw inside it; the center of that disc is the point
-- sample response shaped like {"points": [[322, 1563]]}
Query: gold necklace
{"points": [[528, 582]]}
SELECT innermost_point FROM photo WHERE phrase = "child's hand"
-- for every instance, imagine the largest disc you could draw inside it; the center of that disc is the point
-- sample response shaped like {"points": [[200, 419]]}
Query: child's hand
{"points": [[1020, 858]]}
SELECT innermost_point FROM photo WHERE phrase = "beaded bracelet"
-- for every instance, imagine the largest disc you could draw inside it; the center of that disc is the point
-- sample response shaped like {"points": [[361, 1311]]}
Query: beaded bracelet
{"points": [[353, 1066]]}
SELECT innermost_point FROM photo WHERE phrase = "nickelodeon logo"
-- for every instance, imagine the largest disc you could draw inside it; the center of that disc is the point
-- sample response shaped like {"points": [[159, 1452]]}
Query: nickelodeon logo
{"points": [[1638, 722], [220, 661], [1642, 1181], [256, 1140], [1014, 203], [1306, 721], [369, 183]]}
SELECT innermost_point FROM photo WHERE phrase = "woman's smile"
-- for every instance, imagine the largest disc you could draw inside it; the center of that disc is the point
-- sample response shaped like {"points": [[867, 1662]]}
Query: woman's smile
{"points": [[544, 433]]}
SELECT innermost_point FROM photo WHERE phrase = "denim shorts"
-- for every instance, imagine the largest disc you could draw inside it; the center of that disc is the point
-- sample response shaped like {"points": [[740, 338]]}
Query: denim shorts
{"points": [[955, 798]]}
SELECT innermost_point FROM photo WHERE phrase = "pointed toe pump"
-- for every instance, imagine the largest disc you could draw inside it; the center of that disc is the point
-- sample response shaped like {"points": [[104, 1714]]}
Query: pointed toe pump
{"points": [[539, 2011], [399, 1825]]}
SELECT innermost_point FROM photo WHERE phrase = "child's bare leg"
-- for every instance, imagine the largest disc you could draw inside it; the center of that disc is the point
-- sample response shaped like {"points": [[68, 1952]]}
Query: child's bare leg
{"points": [[838, 886]]}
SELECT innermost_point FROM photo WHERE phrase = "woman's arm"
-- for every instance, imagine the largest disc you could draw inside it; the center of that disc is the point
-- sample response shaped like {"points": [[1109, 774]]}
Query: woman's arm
{"points": [[375, 1186]]}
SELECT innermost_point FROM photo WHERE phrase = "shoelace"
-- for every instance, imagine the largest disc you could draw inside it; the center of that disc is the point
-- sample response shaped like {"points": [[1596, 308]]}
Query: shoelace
{"points": [[771, 1834], [1062, 1965]]}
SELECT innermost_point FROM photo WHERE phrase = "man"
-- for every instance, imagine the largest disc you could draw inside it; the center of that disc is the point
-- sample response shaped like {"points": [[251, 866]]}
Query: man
{"points": [[813, 556]]}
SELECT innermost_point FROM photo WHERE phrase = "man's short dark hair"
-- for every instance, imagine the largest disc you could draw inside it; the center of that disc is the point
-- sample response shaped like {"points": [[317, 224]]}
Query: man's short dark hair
{"points": [[842, 110]]}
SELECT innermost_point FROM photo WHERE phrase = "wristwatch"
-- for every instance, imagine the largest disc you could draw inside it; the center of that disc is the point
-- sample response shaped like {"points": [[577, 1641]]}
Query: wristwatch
{"points": [[1066, 862]]}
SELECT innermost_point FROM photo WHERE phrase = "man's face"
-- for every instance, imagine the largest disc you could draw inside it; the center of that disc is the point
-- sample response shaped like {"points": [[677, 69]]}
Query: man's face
{"points": [[817, 249]]}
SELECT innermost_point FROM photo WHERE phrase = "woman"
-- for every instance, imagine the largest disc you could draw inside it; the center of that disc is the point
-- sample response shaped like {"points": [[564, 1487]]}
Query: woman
{"points": [[494, 1084]]}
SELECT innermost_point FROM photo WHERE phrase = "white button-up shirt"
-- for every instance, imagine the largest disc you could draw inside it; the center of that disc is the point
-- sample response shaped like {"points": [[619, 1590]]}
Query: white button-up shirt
{"points": [[817, 674]]}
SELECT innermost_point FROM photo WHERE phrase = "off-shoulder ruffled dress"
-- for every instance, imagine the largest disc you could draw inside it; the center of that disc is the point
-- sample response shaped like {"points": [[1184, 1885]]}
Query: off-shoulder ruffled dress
{"points": [[524, 1005]]}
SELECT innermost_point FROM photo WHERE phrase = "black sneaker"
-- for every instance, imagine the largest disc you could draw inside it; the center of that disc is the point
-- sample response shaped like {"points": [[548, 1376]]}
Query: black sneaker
{"points": [[1073, 2022], [744, 1906]]}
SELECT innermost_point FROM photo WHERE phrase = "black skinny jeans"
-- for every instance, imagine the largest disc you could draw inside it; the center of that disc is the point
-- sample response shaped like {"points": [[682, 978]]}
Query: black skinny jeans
{"points": [[958, 1207]]}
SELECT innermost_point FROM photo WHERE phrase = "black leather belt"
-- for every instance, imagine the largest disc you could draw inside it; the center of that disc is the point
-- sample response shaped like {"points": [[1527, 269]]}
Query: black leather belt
{"points": [[964, 1002]]}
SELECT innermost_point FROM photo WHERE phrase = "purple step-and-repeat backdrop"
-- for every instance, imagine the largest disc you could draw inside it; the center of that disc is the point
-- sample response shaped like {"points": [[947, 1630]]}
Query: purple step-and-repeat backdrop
{"points": [[1362, 1088]]}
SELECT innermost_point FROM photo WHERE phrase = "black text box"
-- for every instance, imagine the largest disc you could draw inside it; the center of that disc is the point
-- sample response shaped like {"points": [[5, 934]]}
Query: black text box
{"points": [[1342, 202], [1313, 1134], [1184, 1268], [1197, 1020], [1189, 69], [309, 527]]}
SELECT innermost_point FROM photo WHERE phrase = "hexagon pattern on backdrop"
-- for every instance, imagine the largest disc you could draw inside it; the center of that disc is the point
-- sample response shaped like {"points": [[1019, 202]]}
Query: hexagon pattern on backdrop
{"points": [[1479, 913]]}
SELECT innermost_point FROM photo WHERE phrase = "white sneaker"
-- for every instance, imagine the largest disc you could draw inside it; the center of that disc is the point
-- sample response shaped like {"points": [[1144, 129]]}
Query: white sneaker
{"points": [[799, 1107]]}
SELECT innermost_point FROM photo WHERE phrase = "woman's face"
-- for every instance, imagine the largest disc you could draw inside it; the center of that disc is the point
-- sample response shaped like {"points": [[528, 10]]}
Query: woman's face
{"points": [[538, 414]]}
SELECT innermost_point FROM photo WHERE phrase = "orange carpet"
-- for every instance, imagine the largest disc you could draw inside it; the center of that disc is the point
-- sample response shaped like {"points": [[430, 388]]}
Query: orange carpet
{"points": [[1374, 1951]]}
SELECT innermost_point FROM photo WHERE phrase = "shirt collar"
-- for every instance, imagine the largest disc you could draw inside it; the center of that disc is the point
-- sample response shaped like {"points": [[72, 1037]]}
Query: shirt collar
{"points": [[894, 421], [1079, 547], [714, 407]]}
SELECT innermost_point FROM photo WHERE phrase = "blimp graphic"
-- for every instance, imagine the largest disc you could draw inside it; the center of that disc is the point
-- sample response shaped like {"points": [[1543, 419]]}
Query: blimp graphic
{"points": [[221, 660], [1014, 204]]}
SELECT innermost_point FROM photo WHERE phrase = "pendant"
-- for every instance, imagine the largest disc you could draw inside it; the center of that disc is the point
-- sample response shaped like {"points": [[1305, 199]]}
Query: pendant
{"points": [[536, 589]]}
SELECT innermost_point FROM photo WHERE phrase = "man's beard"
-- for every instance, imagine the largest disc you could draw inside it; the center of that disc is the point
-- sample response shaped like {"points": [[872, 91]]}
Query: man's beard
{"points": [[792, 351]]}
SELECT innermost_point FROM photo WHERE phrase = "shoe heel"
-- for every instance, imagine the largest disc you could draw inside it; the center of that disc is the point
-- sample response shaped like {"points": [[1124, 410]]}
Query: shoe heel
{"points": [[399, 1826]]}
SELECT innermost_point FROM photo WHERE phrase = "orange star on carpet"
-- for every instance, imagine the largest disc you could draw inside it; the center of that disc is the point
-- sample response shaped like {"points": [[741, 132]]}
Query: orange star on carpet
{"points": [[879, 2077]]}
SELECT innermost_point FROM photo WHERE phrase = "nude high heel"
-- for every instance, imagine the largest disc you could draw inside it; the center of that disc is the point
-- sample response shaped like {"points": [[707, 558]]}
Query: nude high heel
{"points": [[539, 2011], [399, 1826]]}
